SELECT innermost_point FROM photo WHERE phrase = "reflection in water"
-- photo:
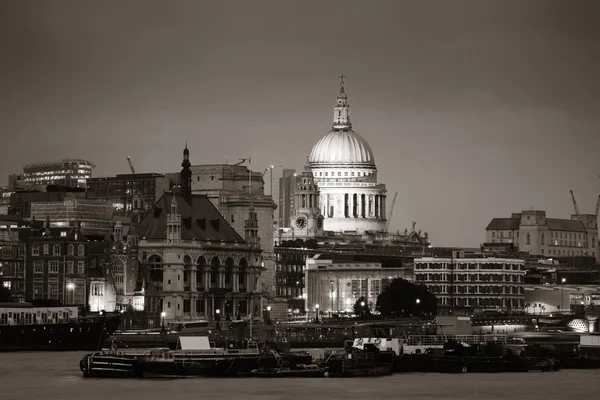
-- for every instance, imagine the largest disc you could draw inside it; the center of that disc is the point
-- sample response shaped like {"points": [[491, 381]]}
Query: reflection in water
{"points": [[57, 376]]}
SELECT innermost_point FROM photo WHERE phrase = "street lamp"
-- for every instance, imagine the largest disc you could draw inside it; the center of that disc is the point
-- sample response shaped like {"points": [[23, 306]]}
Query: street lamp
{"points": [[268, 315], [563, 280], [163, 315], [331, 312], [70, 288], [362, 309], [317, 313]]}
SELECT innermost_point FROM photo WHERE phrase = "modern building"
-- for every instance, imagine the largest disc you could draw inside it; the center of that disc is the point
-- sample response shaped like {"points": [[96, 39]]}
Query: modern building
{"points": [[65, 172], [287, 186], [344, 168], [21, 200], [12, 268], [194, 263], [334, 285], [480, 282], [234, 190], [532, 232], [94, 216], [129, 192]]}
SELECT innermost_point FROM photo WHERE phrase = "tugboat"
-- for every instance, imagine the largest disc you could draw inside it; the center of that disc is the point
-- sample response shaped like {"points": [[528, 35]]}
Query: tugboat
{"points": [[39, 327]]}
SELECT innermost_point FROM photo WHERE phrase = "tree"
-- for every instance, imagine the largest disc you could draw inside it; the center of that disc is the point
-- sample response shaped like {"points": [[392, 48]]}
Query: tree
{"points": [[405, 299], [361, 307], [5, 295]]}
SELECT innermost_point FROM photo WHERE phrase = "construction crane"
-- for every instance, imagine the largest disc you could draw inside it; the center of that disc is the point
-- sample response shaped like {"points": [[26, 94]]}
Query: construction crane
{"points": [[264, 173], [130, 165], [391, 211], [242, 160], [575, 206]]}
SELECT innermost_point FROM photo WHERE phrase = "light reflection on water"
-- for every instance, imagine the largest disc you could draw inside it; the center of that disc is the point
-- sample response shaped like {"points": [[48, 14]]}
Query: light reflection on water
{"points": [[57, 376]]}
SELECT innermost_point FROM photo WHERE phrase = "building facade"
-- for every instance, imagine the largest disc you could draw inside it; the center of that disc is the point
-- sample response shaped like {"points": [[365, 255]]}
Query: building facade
{"points": [[194, 263], [344, 168], [94, 216], [12, 268], [66, 172], [306, 221], [234, 190], [287, 187], [482, 283], [129, 192], [532, 232], [55, 265], [335, 286]]}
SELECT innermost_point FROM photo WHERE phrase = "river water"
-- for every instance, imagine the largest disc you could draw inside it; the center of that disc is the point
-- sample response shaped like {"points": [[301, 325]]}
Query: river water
{"points": [[35, 376]]}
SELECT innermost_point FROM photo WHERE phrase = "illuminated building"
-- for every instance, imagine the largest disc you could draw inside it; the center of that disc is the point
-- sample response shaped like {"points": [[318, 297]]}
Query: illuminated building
{"points": [[66, 172], [486, 283], [344, 169]]}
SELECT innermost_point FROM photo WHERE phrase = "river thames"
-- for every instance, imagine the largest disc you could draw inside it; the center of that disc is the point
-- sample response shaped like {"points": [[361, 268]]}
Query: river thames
{"points": [[30, 376]]}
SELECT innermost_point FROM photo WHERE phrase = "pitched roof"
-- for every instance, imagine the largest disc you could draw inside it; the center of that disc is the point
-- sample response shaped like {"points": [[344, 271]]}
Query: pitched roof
{"points": [[569, 225], [200, 220], [504, 224]]}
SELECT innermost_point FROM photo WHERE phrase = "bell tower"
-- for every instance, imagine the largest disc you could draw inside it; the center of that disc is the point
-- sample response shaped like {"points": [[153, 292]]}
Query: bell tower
{"points": [[341, 110], [307, 220]]}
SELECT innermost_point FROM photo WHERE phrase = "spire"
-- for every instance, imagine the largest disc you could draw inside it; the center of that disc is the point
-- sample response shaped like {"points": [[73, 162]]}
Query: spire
{"points": [[186, 172], [341, 110]]}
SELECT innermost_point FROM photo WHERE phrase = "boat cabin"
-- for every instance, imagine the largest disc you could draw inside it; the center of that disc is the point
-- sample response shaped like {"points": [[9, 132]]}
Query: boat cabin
{"points": [[26, 314], [199, 327]]}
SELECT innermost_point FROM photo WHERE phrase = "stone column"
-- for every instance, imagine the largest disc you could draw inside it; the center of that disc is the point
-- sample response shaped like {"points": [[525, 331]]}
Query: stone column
{"points": [[221, 280], [206, 272], [249, 282], [235, 284], [193, 272]]}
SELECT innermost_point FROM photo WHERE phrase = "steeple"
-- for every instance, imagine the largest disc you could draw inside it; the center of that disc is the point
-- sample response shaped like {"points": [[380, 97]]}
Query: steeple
{"points": [[186, 172], [174, 222], [341, 110]]}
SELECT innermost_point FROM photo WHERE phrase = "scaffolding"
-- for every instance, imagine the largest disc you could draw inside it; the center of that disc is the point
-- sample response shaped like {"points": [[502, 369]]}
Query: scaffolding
{"points": [[95, 216]]}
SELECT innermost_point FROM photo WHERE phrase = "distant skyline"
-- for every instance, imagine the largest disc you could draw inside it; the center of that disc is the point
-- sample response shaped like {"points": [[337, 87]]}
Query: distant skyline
{"points": [[474, 109]]}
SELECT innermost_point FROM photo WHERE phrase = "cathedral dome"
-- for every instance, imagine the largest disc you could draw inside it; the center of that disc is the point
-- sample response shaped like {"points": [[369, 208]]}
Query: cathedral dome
{"points": [[342, 147]]}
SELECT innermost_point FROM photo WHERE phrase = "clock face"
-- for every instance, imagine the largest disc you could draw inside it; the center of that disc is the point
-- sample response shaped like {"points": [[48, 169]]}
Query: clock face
{"points": [[301, 222]]}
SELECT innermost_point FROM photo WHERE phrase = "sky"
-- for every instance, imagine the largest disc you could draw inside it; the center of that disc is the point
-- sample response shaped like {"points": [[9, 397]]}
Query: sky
{"points": [[474, 109]]}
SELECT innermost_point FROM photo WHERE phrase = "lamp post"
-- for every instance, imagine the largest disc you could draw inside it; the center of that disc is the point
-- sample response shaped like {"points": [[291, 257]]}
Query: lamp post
{"points": [[268, 315], [362, 309], [317, 313], [417, 302], [562, 281], [331, 312], [163, 315], [70, 289]]}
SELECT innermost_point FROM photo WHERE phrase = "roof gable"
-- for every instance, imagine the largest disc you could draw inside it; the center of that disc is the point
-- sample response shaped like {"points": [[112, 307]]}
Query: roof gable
{"points": [[200, 220]]}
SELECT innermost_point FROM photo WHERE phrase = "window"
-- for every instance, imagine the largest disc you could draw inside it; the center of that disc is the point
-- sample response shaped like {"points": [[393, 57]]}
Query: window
{"points": [[53, 290], [38, 290], [70, 250], [35, 250], [186, 305], [70, 268], [542, 240], [528, 238], [46, 249], [56, 250], [53, 267], [80, 267], [38, 267], [80, 250]]}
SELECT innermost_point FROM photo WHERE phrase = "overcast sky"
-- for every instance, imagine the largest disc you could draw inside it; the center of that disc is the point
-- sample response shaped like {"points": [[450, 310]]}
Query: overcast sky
{"points": [[474, 109]]}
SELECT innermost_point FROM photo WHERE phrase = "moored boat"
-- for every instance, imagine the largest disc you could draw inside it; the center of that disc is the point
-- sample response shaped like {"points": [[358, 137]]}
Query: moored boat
{"points": [[25, 327]]}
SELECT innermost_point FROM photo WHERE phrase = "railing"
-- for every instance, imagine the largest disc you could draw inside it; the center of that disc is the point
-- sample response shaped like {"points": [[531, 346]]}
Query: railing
{"points": [[440, 340]]}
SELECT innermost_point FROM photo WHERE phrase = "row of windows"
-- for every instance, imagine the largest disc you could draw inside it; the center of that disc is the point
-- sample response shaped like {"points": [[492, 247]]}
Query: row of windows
{"points": [[339, 173], [553, 234], [53, 267], [56, 250], [470, 277], [469, 266]]}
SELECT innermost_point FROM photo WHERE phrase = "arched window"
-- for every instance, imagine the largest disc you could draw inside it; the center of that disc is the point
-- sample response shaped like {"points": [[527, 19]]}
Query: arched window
{"points": [[154, 269], [35, 250], [80, 250], [70, 250], [243, 271], [187, 264], [200, 273], [214, 271], [229, 263]]}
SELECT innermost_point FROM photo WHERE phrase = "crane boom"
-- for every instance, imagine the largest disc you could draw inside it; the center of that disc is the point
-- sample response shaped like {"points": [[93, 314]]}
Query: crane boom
{"points": [[575, 206], [130, 165], [598, 206], [387, 227]]}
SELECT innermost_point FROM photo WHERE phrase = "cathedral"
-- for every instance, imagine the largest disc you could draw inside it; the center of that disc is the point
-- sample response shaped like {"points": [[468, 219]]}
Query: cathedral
{"points": [[338, 190]]}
